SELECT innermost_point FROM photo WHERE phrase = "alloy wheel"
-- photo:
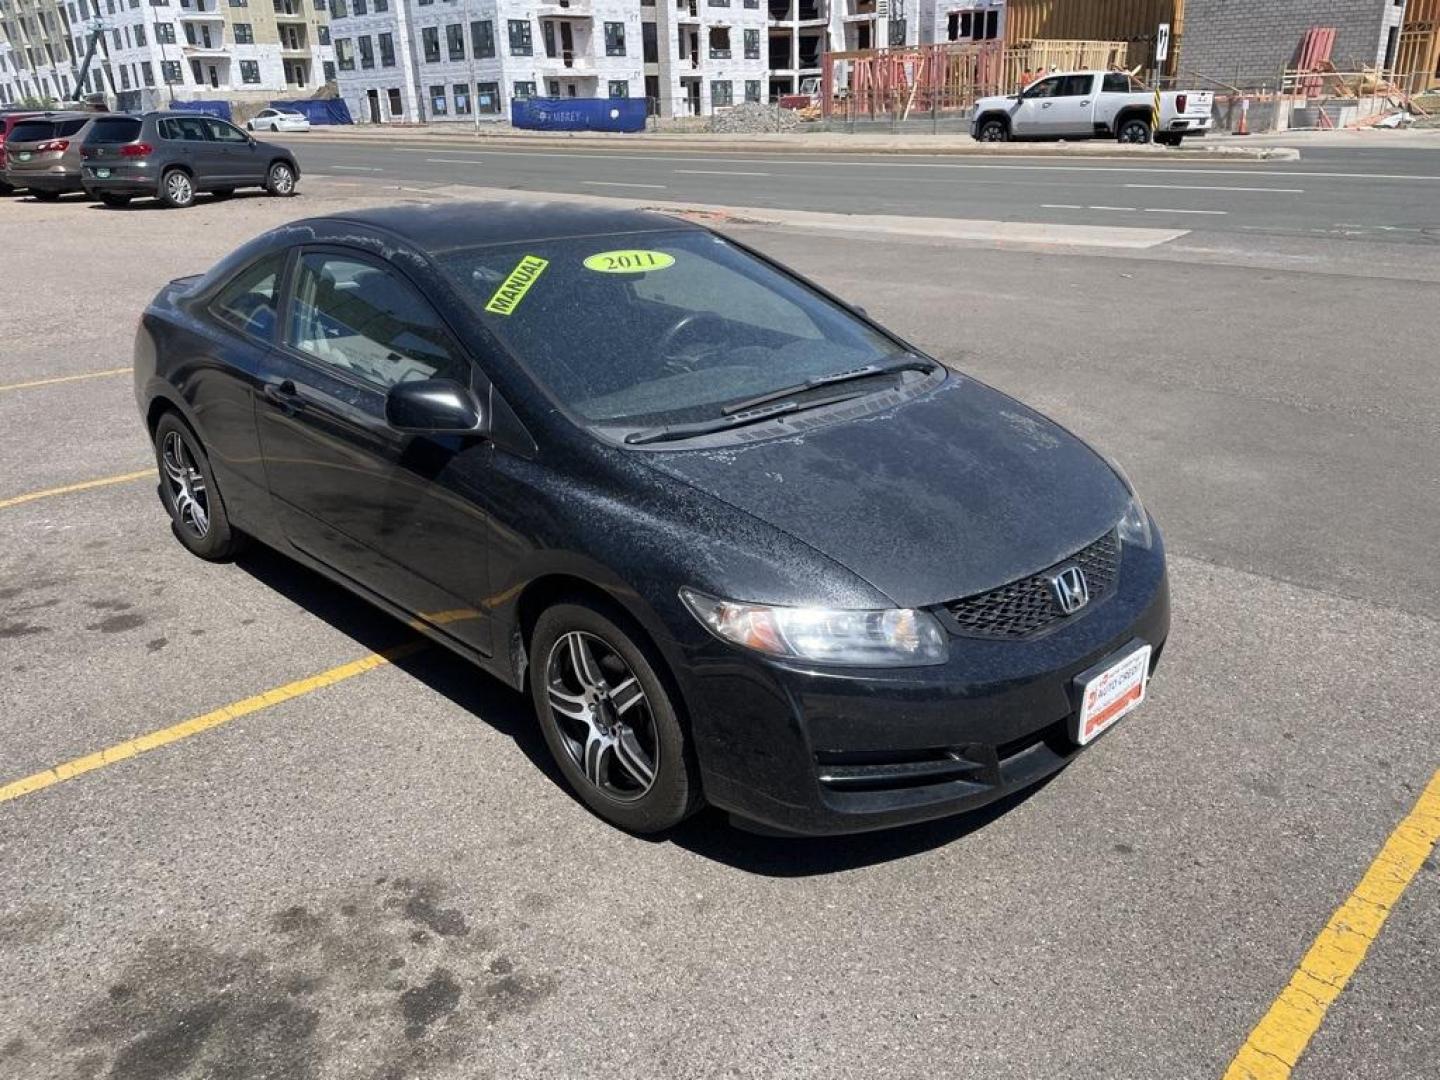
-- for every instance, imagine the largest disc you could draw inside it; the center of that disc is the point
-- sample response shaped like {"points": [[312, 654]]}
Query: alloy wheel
{"points": [[282, 180], [1135, 131], [992, 132], [603, 716], [188, 494], [179, 188]]}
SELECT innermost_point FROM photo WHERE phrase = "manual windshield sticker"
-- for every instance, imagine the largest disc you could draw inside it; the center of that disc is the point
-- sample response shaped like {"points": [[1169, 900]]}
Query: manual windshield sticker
{"points": [[628, 262], [513, 289]]}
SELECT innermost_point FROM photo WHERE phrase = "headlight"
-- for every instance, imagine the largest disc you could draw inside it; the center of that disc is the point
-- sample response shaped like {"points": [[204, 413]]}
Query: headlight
{"points": [[899, 637], [1134, 524]]}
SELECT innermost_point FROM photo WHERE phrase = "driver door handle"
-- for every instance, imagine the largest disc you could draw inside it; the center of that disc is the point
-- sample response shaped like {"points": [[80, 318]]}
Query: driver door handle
{"points": [[284, 394]]}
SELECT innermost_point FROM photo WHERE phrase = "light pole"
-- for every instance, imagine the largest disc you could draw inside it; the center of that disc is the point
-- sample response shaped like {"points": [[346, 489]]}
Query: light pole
{"points": [[471, 90]]}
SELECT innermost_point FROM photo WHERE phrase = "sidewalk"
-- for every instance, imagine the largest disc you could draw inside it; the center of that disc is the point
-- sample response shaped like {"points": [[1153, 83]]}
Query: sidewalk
{"points": [[801, 142]]}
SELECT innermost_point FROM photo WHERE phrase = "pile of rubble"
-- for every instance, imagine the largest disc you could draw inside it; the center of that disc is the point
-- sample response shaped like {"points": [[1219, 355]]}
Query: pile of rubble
{"points": [[752, 118]]}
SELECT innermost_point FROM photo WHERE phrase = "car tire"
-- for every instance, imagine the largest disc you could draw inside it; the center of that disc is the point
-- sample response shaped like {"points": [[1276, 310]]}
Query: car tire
{"points": [[177, 189], [993, 131], [1134, 130], [44, 196], [191, 497], [280, 180], [610, 720], [115, 200]]}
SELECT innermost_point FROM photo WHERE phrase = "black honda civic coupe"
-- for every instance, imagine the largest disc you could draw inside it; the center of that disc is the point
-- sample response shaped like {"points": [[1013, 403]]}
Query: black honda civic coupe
{"points": [[740, 544]]}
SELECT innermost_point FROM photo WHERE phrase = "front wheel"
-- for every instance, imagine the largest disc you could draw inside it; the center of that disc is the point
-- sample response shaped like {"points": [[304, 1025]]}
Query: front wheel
{"points": [[280, 180], [994, 131], [1134, 130], [177, 190], [187, 488], [609, 720]]}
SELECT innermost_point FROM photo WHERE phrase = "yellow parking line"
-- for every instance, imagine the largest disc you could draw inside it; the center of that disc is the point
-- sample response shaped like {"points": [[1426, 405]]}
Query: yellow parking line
{"points": [[195, 725], [104, 481], [65, 378], [1280, 1038]]}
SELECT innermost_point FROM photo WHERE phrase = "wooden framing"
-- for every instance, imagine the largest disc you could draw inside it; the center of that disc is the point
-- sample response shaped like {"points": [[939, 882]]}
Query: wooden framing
{"points": [[1417, 60], [1131, 21]]}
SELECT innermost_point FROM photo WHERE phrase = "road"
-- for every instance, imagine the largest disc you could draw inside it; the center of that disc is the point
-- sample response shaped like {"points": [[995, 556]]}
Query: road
{"points": [[334, 867], [1391, 195]]}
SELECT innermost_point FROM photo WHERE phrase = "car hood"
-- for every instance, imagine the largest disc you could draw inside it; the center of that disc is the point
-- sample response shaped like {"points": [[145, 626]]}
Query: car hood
{"points": [[944, 496]]}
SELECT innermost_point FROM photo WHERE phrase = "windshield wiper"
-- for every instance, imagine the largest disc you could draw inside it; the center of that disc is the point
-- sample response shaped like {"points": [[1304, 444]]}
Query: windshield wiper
{"points": [[870, 372], [671, 432]]}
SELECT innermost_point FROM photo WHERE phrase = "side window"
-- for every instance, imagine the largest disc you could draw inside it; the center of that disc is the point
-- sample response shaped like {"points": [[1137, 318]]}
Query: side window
{"points": [[1046, 88], [1117, 82], [189, 129], [1077, 86], [225, 133], [354, 315], [248, 302]]}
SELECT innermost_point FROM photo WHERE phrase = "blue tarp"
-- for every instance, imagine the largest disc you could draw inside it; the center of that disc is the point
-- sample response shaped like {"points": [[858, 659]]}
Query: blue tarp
{"points": [[208, 108], [328, 111], [578, 114]]}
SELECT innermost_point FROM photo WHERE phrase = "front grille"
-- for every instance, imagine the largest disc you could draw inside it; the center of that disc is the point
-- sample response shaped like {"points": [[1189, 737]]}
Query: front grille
{"points": [[1028, 607]]}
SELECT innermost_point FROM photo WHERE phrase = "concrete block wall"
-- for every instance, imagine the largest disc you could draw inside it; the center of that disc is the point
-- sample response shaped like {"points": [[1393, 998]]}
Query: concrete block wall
{"points": [[1254, 39]]}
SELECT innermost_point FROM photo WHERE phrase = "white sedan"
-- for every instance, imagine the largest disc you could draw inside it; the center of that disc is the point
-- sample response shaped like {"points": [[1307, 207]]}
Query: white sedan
{"points": [[278, 120]]}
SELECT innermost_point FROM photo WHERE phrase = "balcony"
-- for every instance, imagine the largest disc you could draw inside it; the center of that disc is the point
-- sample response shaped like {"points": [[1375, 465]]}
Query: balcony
{"points": [[566, 63], [289, 11], [559, 9], [200, 12]]}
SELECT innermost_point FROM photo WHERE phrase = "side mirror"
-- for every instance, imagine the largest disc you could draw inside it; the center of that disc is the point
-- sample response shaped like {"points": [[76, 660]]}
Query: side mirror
{"points": [[433, 407]]}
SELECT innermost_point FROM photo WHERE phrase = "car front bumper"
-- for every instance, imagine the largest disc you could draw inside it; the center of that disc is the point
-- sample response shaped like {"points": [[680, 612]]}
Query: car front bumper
{"points": [[808, 750]]}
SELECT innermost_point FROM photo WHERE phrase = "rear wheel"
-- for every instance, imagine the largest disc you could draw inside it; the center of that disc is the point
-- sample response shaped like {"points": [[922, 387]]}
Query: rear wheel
{"points": [[994, 131], [280, 180], [177, 189], [187, 488], [609, 720], [115, 200], [1168, 139], [45, 196], [1134, 129]]}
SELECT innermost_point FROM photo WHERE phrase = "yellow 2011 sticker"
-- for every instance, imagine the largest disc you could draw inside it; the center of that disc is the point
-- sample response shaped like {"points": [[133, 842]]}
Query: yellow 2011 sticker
{"points": [[513, 289], [628, 262]]}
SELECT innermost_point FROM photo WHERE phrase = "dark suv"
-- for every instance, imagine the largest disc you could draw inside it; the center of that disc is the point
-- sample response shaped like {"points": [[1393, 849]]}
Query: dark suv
{"points": [[172, 156]]}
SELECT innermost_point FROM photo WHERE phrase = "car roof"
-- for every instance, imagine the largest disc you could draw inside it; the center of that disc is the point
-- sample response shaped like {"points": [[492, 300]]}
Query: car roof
{"points": [[453, 226]]}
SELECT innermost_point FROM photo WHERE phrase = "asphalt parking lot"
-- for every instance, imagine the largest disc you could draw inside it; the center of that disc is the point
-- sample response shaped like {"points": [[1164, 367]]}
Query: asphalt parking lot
{"points": [[374, 871]]}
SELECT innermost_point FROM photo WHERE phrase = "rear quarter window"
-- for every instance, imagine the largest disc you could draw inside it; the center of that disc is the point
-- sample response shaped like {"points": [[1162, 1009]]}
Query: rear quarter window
{"points": [[114, 129]]}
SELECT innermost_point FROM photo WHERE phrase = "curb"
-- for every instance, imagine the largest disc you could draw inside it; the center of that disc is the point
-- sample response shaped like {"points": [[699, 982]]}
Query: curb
{"points": [[803, 144]]}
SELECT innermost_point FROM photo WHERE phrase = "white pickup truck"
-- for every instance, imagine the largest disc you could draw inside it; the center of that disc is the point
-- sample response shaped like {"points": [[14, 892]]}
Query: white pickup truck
{"points": [[1092, 105]]}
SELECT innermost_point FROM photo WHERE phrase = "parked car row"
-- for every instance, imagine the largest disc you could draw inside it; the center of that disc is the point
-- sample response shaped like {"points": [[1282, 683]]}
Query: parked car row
{"points": [[117, 157]]}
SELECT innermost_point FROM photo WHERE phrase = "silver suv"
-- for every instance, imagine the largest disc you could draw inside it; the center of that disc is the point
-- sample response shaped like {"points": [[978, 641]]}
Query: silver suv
{"points": [[173, 156]]}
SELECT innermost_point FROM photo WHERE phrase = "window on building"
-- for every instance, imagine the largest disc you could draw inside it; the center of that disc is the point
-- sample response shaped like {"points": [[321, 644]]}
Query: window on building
{"points": [[244, 35], [462, 98], [753, 4], [897, 32], [437, 101], [367, 51], [482, 39], [382, 6], [521, 43], [455, 40], [430, 41], [524, 89], [344, 54], [649, 43], [387, 50], [328, 67], [322, 34], [397, 106], [250, 71], [719, 43], [165, 33], [752, 44], [124, 78], [170, 71], [721, 93], [752, 89], [619, 88], [147, 73], [487, 97], [239, 3], [139, 37], [339, 9], [614, 39], [360, 7]]}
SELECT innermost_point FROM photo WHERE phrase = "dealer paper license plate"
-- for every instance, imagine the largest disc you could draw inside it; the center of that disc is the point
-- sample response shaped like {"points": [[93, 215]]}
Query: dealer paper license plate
{"points": [[1110, 692]]}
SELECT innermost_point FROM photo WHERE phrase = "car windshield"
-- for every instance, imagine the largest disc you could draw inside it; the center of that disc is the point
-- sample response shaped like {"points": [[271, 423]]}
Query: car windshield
{"points": [[659, 327]]}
